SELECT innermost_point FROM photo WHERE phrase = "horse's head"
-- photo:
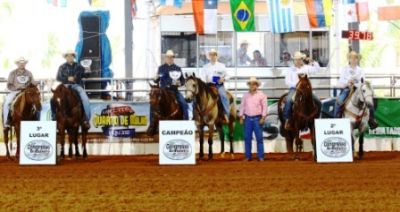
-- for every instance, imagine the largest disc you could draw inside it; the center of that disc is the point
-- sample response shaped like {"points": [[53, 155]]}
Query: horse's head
{"points": [[155, 94], [304, 86], [32, 97], [192, 87], [59, 97], [365, 94]]}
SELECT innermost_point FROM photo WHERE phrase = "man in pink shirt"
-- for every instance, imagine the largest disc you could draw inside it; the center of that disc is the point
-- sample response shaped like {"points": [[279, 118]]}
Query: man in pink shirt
{"points": [[253, 110]]}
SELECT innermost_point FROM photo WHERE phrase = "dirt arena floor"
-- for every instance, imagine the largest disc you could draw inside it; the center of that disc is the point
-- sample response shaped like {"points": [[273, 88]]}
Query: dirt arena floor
{"points": [[140, 184]]}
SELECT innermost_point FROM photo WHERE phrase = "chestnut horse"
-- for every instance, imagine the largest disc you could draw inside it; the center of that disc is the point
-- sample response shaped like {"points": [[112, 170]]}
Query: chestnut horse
{"points": [[70, 116], [207, 113], [26, 107], [305, 110], [163, 106]]}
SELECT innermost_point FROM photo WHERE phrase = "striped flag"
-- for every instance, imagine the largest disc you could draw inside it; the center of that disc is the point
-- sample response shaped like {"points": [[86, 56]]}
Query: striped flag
{"points": [[281, 16], [175, 3], [389, 13], [356, 10], [319, 13], [205, 16]]}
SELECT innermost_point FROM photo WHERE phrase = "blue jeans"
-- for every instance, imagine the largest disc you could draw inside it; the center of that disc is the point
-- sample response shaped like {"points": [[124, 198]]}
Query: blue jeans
{"points": [[252, 124], [182, 103], [84, 98], [287, 110], [224, 99], [340, 101]]}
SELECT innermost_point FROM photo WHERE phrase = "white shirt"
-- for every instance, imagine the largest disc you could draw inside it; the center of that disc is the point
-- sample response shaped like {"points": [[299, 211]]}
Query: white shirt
{"points": [[348, 73], [292, 78], [213, 70]]}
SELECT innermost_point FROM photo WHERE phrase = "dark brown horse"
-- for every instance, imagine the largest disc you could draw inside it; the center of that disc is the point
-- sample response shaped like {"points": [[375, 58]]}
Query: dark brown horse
{"points": [[70, 116], [305, 110], [207, 113], [163, 106], [25, 107]]}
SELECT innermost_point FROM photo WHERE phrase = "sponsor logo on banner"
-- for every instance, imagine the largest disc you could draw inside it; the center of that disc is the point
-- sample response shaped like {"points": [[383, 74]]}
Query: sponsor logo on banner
{"points": [[177, 149], [38, 150], [335, 147]]}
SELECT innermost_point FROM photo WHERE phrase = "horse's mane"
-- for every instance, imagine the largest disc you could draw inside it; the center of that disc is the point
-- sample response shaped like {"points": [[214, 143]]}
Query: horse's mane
{"points": [[202, 86]]}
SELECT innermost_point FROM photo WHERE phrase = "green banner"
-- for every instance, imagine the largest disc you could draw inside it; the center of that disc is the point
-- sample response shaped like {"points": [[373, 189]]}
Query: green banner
{"points": [[388, 117], [243, 15]]}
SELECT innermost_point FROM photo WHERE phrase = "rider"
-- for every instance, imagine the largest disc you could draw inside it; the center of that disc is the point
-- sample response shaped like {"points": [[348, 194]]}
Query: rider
{"points": [[164, 74], [350, 76], [70, 74], [17, 81], [215, 73], [292, 78]]}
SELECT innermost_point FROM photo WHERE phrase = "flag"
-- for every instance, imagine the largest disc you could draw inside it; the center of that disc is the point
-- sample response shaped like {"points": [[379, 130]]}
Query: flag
{"points": [[242, 15], [133, 8], [175, 3], [281, 16], [356, 10], [96, 3], [205, 16], [319, 13], [58, 3], [389, 13]]}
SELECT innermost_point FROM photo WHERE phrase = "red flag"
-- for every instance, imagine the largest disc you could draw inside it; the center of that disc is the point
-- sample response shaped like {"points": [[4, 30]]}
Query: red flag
{"points": [[389, 13], [133, 8]]}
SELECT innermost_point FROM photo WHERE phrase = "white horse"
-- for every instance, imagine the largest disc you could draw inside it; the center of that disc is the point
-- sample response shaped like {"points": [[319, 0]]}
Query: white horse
{"points": [[357, 110]]}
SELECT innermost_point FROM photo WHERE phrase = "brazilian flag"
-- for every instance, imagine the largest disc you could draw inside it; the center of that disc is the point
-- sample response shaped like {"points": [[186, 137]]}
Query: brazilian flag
{"points": [[243, 15]]}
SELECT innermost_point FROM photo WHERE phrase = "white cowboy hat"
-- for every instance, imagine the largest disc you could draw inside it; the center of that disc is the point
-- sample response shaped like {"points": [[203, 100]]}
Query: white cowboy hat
{"points": [[21, 60], [213, 51], [170, 53], [253, 79], [69, 52], [299, 55]]}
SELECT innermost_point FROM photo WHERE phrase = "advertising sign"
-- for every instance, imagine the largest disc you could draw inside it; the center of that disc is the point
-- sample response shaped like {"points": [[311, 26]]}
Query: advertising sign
{"points": [[177, 143], [333, 138]]}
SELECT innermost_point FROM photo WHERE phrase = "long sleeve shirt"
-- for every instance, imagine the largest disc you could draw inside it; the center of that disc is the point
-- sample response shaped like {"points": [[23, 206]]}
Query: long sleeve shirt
{"points": [[254, 104], [19, 79], [164, 76], [67, 70], [213, 70], [292, 78], [349, 73]]}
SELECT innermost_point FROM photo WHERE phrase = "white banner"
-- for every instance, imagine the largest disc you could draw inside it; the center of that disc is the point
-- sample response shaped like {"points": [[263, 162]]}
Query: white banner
{"points": [[38, 143], [177, 143], [333, 140]]}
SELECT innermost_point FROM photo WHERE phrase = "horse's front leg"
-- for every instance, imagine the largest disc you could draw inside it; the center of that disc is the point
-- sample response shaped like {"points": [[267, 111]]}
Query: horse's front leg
{"points": [[70, 141], [222, 139], [17, 132], [61, 139], [231, 122], [75, 133], [361, 146], [298, 147], [201, 138], [84, 139], [210, 141], [5, 133], [313, 142]]}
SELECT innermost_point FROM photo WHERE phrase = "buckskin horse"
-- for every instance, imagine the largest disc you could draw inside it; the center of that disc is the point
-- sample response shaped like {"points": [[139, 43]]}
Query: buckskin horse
{"points": [[207, 113], [25, 107], [69, 116], [356, 108], [163, 106], [305, 110]]}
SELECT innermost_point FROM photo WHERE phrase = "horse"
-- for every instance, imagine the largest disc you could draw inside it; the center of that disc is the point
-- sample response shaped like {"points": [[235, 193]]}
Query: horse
{"points": [[70, 116], [305, 110], [356, 108], [164, 106], [207, 113], [25, 107]]}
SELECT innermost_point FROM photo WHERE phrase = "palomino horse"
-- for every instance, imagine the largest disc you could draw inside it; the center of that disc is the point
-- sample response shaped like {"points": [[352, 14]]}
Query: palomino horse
{"points": [[207, 113], [25, 107], [164, 106], [357, 110], [305, 110], [70, 116]]}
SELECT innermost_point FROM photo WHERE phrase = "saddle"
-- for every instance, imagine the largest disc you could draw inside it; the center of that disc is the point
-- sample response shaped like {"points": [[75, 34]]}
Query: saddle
{"points": [[352, 90]]}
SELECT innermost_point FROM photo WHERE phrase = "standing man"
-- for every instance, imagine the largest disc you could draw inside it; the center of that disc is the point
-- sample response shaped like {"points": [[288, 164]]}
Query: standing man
{"points": [[292, 78], [242, 56], [70, 74], [253, 110], [17, 81], [170, 77], [215, 73], [352, 75]]}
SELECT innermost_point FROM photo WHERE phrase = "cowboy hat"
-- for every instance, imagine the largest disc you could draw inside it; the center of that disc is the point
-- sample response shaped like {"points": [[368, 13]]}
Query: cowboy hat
{"points": [[253, 79], [299, 55], [213, 51], [353, 53], [69, 52], [21, 60], [170, 53]]}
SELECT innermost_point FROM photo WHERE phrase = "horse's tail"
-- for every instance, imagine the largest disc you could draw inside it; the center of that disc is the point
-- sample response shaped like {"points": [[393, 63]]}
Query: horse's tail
{"points": [[281, 103], [232, 103]]}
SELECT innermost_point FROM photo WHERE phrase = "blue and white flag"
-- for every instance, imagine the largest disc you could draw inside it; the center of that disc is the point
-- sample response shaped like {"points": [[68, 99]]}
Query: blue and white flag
{"points": [[175, 3], [281, 16]]}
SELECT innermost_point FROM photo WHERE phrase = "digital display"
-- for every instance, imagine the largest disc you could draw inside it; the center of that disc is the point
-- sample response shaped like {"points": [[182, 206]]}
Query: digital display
{"points": [[357, 35]]}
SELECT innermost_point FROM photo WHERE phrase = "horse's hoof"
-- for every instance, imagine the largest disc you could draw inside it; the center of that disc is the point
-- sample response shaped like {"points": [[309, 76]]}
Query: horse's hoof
{"points": [[232, 157], [223, 155]]}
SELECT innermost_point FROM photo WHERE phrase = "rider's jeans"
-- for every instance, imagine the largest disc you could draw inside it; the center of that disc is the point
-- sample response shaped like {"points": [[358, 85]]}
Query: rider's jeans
{"points": [[339, 102], [6, 107], [224, 99]]}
